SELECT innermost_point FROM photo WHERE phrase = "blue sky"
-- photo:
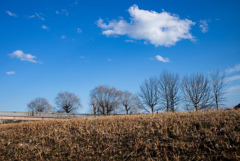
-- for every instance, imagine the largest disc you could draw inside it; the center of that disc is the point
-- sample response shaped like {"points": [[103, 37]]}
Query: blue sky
{"points": [[51, 46]]}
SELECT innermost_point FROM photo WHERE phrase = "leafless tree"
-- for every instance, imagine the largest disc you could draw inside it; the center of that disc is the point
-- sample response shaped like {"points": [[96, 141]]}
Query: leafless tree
{"points": [[218, 83], [149, 95], [105, 100], [95, 106], [39, 105], [128, 100], [67, 102], [197, 92], [168, 87]]}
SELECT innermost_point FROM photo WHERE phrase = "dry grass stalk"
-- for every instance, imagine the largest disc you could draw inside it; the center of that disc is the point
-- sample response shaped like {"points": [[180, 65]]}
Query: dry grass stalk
{"points": [[203, 135]]}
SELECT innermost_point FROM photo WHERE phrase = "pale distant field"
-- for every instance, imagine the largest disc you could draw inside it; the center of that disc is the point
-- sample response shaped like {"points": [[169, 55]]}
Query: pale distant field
{"points": [[207, 135]]}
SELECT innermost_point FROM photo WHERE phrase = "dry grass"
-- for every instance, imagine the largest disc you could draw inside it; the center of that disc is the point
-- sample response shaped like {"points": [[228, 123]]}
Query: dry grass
{"points": [[208, 135]]}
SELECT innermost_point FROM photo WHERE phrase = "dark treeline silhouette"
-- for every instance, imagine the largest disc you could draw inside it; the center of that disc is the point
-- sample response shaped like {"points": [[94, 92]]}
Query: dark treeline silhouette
{"points": [[166, 92]]}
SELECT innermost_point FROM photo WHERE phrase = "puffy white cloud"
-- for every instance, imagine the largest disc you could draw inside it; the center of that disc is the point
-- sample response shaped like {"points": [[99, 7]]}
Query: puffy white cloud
{"points": [[159, 29], [204, 26], [10, 73], [22, 56], [11, 14], [234, 69], [45, 27], [165, 60]]}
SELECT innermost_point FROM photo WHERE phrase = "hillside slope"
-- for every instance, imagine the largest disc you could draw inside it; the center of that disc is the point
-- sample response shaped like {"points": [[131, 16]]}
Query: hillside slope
{"points": [[207, 135]]}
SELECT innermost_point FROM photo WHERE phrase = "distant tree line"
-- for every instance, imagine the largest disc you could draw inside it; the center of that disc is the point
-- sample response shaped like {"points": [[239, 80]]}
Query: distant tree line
{"points": [[167, 92]]}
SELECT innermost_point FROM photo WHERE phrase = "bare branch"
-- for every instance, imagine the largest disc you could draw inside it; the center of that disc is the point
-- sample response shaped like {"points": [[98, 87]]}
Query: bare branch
{"points": [[39, 105], [197, 92], [149, 95], [218, 83], [105, 100], [67, 102]]}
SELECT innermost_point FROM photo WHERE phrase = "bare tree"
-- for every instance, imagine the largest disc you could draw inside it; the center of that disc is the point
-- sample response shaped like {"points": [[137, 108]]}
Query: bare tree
{"points": [[149, 95], [95, 106], [105, 100], [197, 92], [67, 102], [128, 100], [168, 87], [39, 105], [218, 83]]}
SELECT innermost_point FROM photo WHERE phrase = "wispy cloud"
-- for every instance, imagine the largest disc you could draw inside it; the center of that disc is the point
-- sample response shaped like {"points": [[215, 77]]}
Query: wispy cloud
{"points": [[45, 27], [32, 16], [23, 57], [39, 16], [233, 78], [234, 69], [131, 41], [159, 29], [165, 60], [79, 30], [233, 88], [82, 57], [10, 73], [64, 11], [11, 14], [63, 37], [109, 59], [204, 26]]}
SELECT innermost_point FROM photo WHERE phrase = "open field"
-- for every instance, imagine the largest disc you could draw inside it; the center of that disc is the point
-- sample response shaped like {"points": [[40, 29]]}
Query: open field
{"points": [[203, 135]]}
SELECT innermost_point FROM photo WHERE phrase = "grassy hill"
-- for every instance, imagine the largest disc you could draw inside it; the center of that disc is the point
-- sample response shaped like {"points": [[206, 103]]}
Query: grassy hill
{"points": [[203, 135]]}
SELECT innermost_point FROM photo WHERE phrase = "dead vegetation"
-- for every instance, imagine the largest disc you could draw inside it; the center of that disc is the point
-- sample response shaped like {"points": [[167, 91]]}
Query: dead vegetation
{"points": [[203, 135]]}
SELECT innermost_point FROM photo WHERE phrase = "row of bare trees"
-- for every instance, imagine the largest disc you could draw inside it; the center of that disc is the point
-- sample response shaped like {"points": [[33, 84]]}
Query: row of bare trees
{"points": [[195, 92], [107, 100], [163, 93], [66, 102]]}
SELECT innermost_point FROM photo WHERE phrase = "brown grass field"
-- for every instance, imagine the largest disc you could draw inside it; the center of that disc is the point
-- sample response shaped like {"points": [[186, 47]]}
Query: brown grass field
{"points": [[203, 135]]}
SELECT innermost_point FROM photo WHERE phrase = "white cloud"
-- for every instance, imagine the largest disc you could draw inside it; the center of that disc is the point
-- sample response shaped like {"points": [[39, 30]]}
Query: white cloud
{"points": [[63, 37], [233, 88], [132, 41], [204, 26], [31, 16], [24, 57], [82, 57], [40, 17], [234, 69], [64, 11], [10, 73], [159, 29], [79, 30], [109, 59], [233, 78], [11, 14], [45, 27], [165, 60]]}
